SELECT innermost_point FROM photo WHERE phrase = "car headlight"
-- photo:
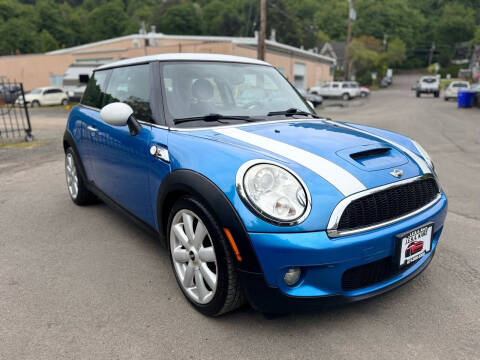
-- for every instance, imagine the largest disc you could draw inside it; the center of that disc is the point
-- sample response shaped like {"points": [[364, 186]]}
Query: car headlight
{"points": [[424, 154], [274, 192]]}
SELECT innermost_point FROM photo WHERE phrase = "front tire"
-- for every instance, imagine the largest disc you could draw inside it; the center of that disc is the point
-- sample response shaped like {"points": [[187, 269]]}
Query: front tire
{"points": [[201, 259], [436, 94], [64, 102], [346, 97], [35, 103], [76, 187]]}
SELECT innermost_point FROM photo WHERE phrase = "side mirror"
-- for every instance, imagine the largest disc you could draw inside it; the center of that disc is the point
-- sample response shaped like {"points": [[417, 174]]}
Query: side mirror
{"points": [[120, 114]]}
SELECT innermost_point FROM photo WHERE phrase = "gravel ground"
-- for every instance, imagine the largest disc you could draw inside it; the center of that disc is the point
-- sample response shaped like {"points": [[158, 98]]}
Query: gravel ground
{"points": [[86, 283]]}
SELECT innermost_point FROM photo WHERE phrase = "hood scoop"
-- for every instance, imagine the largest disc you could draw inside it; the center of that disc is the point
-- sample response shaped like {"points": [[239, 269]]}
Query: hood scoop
{"points": [[373, 157]]}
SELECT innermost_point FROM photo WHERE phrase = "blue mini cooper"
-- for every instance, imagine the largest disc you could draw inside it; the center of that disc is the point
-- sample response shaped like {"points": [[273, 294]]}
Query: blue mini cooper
{"points": [[255, 196]]}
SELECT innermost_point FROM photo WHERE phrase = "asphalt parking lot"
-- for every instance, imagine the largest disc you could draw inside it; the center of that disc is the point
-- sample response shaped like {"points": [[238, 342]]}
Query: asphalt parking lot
{"points": [[86, 283]]}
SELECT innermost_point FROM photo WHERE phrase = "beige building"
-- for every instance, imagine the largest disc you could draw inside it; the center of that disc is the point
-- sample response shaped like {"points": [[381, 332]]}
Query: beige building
{"points": [[62, 67]]}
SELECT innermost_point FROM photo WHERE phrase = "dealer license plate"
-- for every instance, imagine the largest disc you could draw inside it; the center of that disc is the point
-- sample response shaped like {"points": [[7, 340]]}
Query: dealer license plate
{"points": [[415, 244]]}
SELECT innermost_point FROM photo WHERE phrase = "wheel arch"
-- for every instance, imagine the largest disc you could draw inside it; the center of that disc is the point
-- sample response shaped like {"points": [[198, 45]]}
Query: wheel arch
{"points": [[187, 182], [68, 141]]}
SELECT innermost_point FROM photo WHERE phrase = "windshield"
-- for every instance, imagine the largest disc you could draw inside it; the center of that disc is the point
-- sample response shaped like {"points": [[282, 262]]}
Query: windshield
{"points": [[196, 89], [429, 80], [36, 91]]}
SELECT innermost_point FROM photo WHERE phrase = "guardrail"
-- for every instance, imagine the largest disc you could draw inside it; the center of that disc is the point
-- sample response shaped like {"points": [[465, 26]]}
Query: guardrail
{"points": [[14, 118]]}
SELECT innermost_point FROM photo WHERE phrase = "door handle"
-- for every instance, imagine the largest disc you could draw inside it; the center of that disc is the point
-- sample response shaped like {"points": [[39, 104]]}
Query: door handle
{"points": [[91, 128]]}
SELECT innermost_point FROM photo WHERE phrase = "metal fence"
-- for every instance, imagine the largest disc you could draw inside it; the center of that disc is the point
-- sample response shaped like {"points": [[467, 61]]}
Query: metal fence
{"points": [[14, 118]]}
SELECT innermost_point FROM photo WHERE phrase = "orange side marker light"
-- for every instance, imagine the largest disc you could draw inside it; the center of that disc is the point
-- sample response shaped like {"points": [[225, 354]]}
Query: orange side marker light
{"points": [[232, 243]]}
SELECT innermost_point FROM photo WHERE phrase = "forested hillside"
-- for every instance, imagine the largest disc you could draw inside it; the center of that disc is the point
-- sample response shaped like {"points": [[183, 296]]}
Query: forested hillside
{"points": [[30, 26]]}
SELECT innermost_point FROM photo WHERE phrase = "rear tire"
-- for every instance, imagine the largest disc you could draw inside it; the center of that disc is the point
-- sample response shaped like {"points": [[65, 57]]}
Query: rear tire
{"points": [[64, 102], [346, 97], [436, 94], [219, 289], [76, 187]]}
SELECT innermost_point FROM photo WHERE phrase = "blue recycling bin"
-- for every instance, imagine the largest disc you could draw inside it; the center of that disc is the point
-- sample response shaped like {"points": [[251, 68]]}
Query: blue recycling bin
{"points": [[465, 98]]}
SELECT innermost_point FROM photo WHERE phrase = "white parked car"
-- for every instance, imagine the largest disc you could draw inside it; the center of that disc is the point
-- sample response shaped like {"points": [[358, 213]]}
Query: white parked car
{"points": [[451, 92], [51, 95], [343, 89], [429, 85]]}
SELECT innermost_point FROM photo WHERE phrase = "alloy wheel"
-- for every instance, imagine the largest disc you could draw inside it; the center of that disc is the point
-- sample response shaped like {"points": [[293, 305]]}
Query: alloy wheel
{"points": [[193, 256], [71, 174]]}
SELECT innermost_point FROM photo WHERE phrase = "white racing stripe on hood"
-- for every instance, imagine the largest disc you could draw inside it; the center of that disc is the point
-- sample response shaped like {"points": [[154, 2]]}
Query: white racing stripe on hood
{"points": [[345, 182], [420, 162]]}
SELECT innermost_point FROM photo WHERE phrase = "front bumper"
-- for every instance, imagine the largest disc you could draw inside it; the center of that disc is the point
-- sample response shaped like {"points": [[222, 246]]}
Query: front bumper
{"points": [[324, 260]]}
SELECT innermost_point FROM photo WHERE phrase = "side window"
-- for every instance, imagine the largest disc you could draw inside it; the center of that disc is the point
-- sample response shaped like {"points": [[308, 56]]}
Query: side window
{"points": [[94, 95], [334, 86], [131, 85]]}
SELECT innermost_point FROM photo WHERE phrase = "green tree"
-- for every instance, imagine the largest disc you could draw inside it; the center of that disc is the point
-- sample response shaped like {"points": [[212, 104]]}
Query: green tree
{"points": [[331, 17], [17, 34], [183, 19], [365, 58], [107, 21], [7, 9], [396, 52], [46, 42], [457, 24], [476, 37], [224, 18]]}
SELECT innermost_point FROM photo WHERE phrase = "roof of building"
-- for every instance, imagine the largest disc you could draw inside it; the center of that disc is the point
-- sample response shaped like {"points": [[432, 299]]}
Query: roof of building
{"points": [[184, 57], [250, 41]]}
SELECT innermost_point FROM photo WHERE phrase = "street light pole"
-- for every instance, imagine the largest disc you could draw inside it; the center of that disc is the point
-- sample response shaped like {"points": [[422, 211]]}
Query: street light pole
{"points": [[351, 15], [263, 30]]}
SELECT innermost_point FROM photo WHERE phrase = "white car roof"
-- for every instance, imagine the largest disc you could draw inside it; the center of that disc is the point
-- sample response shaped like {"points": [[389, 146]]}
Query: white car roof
{"points": [[183, 57]]}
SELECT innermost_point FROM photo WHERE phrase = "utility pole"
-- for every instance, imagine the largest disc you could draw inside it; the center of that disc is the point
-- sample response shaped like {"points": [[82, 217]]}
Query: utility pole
{"points": [[351, 17], [430, 55], [263, 30]]}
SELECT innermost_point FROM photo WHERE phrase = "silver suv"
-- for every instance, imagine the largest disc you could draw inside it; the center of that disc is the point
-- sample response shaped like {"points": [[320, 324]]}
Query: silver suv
{"points": [[429, 85]]}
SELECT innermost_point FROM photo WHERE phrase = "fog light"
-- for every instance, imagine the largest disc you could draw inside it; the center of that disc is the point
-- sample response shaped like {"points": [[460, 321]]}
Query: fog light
{"points": [[292, 276]]}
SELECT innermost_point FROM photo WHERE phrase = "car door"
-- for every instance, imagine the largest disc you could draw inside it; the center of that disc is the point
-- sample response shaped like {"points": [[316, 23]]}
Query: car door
{"points": [[87, 117], [57, 96], [45, 97], [121, 161], [335, 89]]}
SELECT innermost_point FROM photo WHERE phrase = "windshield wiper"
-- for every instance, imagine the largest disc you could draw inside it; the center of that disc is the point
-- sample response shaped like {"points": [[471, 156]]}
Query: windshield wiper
{"points": [[214, 117], [291, 112]]}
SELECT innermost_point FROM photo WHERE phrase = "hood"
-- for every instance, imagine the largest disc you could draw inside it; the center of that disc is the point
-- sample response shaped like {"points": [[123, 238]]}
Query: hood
{"points": [[29, 97], [334, 160], [350, 159]]}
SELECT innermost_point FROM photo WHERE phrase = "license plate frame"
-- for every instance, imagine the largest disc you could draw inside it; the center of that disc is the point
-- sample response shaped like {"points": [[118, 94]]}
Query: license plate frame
{"points": [[422, 233]]}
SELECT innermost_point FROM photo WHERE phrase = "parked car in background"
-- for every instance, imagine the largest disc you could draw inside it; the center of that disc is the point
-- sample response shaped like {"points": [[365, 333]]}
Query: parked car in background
{"points": [[451, 92], [9, 93], [315, 99], [50, 95], [428, 85], [476, 89], [389, 76], [345, 90], [364, 91], [384, 82], [260, 200]]}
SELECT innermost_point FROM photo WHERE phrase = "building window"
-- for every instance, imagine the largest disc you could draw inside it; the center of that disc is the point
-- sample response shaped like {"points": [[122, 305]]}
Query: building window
{"points": [[56, 80], [299, 74]]}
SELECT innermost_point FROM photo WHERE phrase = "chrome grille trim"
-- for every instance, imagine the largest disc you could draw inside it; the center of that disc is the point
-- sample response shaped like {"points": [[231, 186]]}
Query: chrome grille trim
{"points": [[332, 227]]}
